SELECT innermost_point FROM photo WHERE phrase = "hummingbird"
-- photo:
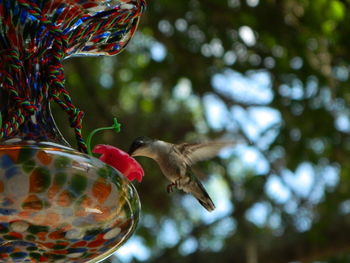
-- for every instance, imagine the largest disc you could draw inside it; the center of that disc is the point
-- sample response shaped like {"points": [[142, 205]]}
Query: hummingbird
{"points": [[175, 161]]}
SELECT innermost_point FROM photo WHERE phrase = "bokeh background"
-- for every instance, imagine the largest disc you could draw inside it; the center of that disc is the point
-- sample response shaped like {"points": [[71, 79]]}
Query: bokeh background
{"points": [[272, 75]]}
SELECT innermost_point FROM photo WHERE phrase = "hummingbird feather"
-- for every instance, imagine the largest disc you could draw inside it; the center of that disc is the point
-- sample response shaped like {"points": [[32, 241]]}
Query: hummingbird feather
{"points": [[196, 152], [196, 188]]}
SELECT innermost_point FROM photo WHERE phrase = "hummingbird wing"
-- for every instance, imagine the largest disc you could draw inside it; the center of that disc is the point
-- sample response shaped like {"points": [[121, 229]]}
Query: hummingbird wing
{"points": [[195, 152]]}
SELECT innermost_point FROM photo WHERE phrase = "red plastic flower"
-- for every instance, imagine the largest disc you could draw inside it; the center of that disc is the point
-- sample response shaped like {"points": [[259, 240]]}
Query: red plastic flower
{"points": [[120, 160]]}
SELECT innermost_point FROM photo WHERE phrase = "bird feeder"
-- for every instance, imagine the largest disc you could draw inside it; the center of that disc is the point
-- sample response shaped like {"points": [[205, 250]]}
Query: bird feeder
{"points": [[57, 204]]}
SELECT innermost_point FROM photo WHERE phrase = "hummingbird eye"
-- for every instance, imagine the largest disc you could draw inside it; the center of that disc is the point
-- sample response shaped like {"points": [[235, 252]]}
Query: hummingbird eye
{"points": [[140, 144], [141, 141]]}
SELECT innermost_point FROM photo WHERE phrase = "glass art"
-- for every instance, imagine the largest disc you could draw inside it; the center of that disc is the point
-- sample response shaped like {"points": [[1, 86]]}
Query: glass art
{"points": [[57, 204]]}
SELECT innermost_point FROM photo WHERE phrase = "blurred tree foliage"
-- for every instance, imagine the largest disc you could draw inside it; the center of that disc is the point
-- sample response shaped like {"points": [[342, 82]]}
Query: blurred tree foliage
{"points": [[283, 193]]}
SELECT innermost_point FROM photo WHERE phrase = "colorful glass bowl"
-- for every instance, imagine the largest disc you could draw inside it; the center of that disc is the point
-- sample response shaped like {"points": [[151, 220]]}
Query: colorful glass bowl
{"points": [[58, 205]]}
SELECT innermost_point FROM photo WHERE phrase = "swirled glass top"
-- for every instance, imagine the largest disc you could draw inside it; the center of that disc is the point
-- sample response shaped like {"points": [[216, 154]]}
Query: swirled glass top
{"points": [[75, 27]]}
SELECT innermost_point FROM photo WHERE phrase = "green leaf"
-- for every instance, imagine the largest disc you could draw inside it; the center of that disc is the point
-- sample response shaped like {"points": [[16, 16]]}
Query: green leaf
{"points": [[337, 10], [328, 26]]}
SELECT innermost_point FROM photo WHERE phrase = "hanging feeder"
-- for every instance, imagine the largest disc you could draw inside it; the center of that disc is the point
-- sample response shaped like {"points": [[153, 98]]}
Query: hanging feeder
{"points": [[57, 204]]}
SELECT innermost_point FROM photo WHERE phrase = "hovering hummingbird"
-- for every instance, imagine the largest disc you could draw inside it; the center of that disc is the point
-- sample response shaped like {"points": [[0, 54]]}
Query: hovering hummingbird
{"points": [[175, 161]]}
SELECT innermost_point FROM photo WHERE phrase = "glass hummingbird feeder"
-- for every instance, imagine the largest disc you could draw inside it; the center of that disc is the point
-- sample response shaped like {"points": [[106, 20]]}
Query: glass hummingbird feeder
{"points": [[57, 204]]}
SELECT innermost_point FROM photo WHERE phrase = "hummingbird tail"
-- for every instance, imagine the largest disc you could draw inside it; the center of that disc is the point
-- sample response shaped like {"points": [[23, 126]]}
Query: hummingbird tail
{"points": [[196, 188], [207, 203]]}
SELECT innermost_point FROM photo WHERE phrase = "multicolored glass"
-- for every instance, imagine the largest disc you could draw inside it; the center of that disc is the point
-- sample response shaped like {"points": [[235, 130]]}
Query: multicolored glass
{"points": [[57, 204]]}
